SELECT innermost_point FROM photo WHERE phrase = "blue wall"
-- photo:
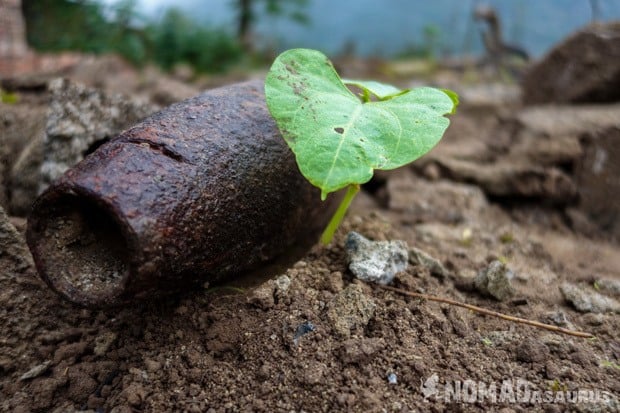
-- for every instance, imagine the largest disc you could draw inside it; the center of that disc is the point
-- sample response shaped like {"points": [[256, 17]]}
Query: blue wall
{"points": [[386, 27]]}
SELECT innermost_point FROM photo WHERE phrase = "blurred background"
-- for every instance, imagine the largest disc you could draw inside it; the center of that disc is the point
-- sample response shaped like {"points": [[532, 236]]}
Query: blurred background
{"points": [[215, 36]]}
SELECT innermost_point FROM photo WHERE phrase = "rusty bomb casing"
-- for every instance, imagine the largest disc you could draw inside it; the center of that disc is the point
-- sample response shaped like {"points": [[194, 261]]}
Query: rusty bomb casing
{"points": [[202, 190]]}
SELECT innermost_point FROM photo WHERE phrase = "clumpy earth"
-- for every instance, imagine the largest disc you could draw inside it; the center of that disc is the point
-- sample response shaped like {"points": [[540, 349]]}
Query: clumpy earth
{"points": [[242, 349], [501, 197], [248, 348]]}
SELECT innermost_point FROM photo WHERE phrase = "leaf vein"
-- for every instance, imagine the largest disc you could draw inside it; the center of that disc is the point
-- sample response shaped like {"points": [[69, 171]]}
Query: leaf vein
{"points": [[347, 128]]}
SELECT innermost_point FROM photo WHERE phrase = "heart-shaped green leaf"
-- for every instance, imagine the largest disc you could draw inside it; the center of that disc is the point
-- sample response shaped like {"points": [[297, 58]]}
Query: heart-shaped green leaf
{"points": [[337, 139]]}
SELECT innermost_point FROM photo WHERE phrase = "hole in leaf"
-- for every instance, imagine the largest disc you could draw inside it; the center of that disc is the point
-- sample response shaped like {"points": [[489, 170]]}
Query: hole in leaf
{"points": [[339, 130]]}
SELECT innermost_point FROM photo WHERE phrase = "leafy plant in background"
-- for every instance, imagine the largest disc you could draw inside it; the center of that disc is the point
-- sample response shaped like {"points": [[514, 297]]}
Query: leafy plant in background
{"points": [[8, 98], [88, 26], [338, 138], [430, 47], [246, 11], [178, 39], [54, 25]]}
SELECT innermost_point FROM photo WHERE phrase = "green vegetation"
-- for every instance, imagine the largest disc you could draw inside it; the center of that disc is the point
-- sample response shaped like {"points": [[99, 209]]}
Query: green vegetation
{"points": [[8, 98], [90, 27], [611, 364], [557, 386], [87, 26], [506, 237], [486, 341], [430, 47], [338, 138], [178, 39]]}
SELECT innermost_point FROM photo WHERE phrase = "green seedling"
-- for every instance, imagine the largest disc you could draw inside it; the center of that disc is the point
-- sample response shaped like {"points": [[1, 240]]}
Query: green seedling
{"points": [[8, 98], [340, 138], [607, 363], [503, 259], [506, 238], [557, 386]]}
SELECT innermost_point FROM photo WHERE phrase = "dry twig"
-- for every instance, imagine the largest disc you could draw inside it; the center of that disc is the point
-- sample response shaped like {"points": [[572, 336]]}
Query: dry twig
{"points": [[489, 312]]}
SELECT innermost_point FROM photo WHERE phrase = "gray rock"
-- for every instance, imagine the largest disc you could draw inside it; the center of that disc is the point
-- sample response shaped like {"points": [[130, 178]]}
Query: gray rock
{"points": [[419, 257], [559, 319], [495, 281], [282, 284], [14, 255], [78, 120], [25, 176], [609, 286], [587, 301], [350, 310], [375, 261], [593, 319], [19, 125]]}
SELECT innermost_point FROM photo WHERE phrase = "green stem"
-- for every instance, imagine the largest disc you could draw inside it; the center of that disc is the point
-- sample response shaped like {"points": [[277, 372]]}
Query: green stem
{"points": [[331, 228], [366, 96]]}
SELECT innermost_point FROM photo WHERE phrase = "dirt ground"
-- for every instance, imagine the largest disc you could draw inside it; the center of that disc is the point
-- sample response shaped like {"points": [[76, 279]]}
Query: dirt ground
{"points": [[313, 338]]}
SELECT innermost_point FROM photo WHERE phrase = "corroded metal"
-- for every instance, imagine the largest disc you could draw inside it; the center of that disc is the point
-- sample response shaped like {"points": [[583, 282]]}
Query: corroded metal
{"points": [[202, 190]]}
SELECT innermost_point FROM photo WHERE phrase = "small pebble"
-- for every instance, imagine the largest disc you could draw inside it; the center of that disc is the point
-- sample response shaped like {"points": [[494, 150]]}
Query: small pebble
{"points": [[417, 256], [495, 281], [587, 301], [609, 286], [375, 261], [283, 283], [559, 319]]}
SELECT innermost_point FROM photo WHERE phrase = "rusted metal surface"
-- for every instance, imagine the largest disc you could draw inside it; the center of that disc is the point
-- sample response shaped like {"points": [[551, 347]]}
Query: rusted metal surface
{"points": [[202, 190]]}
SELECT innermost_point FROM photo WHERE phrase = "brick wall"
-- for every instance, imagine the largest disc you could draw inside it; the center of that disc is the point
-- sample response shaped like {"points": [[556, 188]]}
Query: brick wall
{"points": [[14, 53]]}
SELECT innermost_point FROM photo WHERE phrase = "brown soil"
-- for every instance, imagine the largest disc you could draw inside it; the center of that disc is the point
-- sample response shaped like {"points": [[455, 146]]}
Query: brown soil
{"points": [[224, 349], [248, 346]]}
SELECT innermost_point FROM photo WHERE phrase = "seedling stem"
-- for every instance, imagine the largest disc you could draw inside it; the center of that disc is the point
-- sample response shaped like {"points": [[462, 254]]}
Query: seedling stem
{"points": [[331, 228]]}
